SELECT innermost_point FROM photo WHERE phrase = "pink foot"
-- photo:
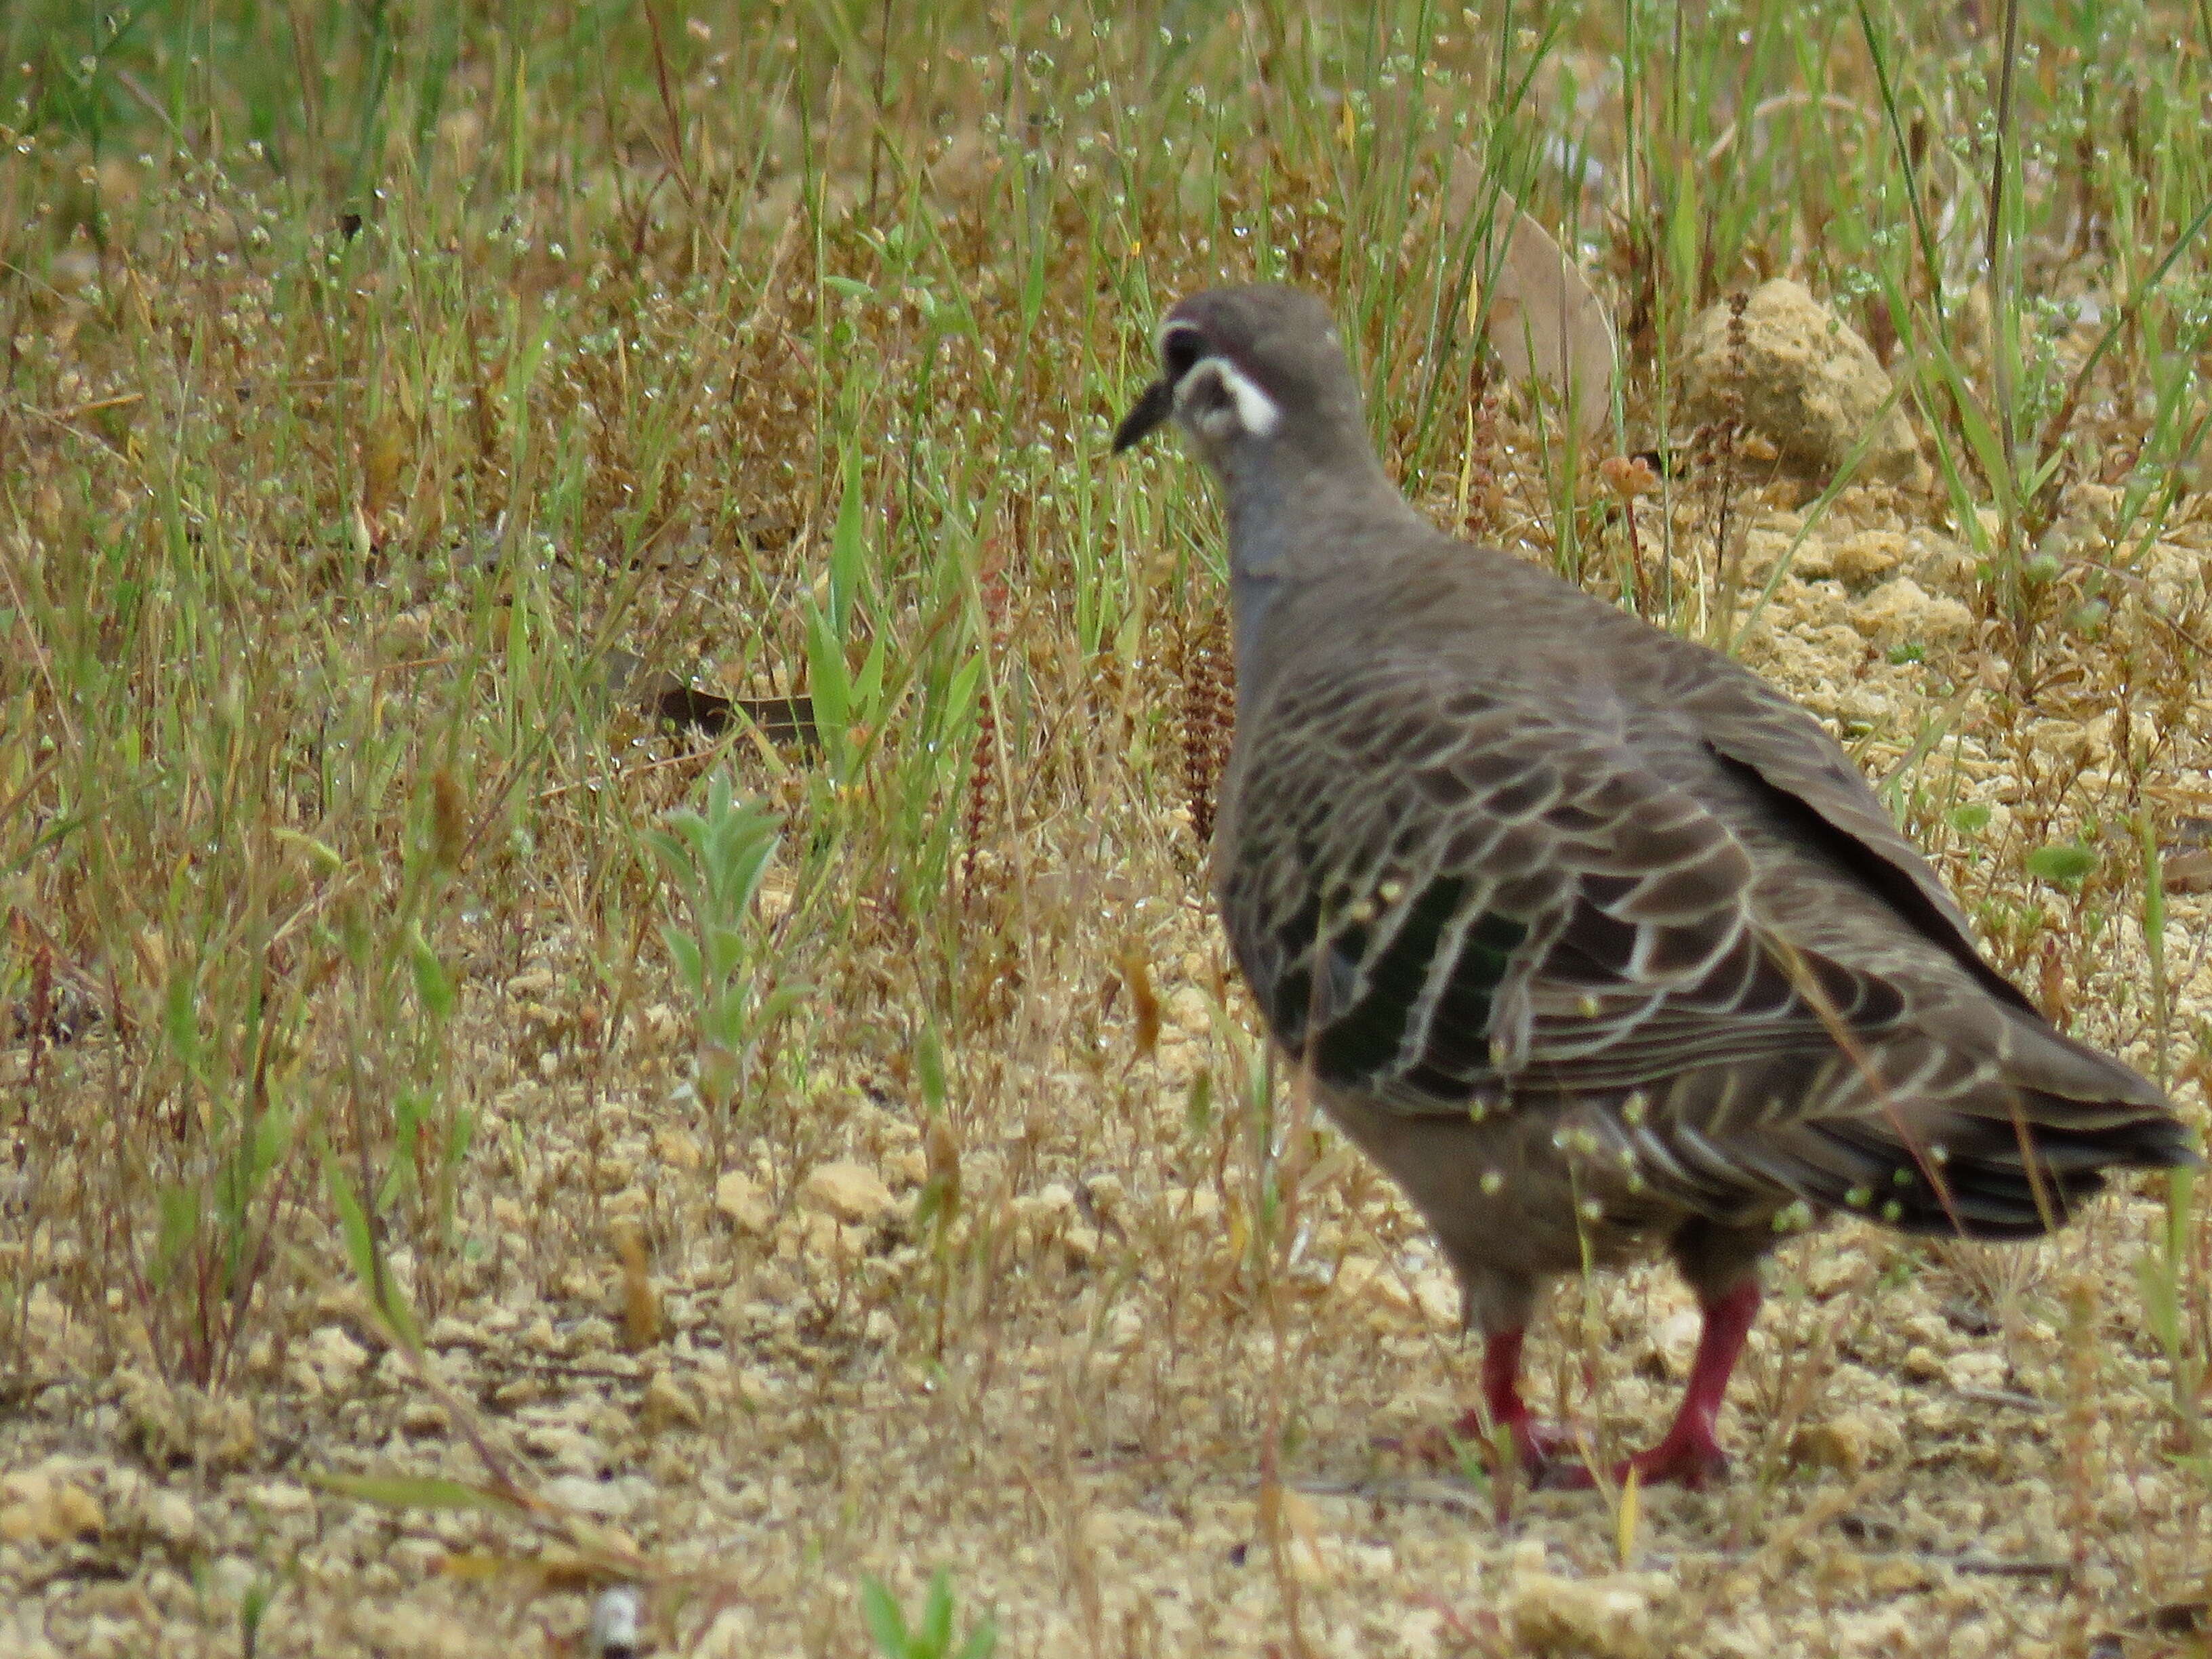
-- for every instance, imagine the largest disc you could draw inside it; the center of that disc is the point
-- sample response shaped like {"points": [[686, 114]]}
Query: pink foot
{"points": [[1540, 1448], [1688, 1459], [1688, 1455]]}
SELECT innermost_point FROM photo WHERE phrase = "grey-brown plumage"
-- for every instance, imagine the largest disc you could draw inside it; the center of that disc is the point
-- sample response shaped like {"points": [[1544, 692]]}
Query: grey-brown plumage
{"points": [[1594, 941]]}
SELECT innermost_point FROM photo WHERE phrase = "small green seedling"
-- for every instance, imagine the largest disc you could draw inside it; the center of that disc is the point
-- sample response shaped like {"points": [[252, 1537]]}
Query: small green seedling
{"points": [[932, 1637]]}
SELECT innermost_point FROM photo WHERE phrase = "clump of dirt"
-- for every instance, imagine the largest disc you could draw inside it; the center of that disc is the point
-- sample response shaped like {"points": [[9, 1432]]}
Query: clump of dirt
{"points": [[1783, 362]]}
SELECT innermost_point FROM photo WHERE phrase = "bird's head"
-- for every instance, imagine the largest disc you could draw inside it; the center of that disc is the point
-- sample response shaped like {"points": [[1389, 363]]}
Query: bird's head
{"points": [[1250, 373]]}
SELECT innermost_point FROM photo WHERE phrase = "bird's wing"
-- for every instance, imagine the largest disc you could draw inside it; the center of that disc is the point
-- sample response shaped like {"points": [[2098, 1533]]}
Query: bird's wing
{"points": [[1812, 784], [1437, 890], [1450, 898]]}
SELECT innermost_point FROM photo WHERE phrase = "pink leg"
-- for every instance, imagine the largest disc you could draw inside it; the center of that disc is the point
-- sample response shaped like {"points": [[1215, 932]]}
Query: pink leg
{"points": [[1535, 1442], [1690, 1454]]}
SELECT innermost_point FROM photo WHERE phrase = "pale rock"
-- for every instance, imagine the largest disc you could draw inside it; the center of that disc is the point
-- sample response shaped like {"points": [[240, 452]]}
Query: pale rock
{"points": [[212, 1430], [591, 1339], [1833, 1271], [564, 1446], [807, 1234], [1113, 1531], [1891, 1629], [46, 1314], [1193, 1204], [1675, 1339], [667, 1402], [1923, 1324], [1044, 1215], [1861, 560], [1813, 561], [1922, 1365], [1190, 1010], [416, 1559], [23, 1640], [1861, 708], [630, 1204], [169, 1516], [1175, 1061], [232, 1577], [1763, 547], [1606, 1618], [1785, 657], [336, 1358], [744, 1200], [1525, 1556], [1361, 1279], [607, 1499], [1976, 1368], [39, 1507], [1439, 1295], [1422, 1632], [679, 1149], [2072, 742], [1312, 1558], [1031, 1219], [1377, 1562], [2174, 577], [1939, 562], [390, 1625], [447, 1332], [1802, 378], [1846, 1441], [852, 1193], [1903, 612], [1108, 1197], [280, 1497], [2153, 1494], [1755, 1636], [735, 1634]]}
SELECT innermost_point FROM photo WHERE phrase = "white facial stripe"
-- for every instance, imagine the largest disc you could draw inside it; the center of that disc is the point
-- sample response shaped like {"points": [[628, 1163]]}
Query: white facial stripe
{"points": [[1250, 410]]}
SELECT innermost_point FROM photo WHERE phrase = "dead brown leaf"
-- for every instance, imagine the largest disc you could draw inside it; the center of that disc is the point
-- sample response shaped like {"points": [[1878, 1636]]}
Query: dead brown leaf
{"points": [[1544, 320]]}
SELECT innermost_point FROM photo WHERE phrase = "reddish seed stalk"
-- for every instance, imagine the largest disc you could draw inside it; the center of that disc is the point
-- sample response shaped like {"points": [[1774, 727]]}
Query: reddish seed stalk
{"points": [[1209, 717]]}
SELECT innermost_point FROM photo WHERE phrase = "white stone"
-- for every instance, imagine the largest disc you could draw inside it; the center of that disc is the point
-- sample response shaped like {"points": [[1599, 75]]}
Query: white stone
{"points": [[1608, 1617], [1794, 372], [852, 1193], [169, 1516], [743, 1198], [1903, 612]]}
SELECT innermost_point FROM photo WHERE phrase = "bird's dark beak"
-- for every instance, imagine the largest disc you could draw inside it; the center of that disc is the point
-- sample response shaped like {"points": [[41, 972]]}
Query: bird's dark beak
{"points": [[1152, 408]]}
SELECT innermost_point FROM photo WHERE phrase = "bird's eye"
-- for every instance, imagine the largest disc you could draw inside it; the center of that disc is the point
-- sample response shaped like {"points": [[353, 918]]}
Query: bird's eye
{"points": [[1181, 349]]}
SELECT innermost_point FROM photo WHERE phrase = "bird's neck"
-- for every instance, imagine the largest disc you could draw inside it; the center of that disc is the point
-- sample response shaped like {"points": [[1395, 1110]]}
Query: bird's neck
{"points": [[1290, 521]]}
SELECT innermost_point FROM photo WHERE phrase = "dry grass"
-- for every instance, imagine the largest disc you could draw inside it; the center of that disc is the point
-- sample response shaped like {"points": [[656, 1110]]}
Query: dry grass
{"points": [[429, 1184]]}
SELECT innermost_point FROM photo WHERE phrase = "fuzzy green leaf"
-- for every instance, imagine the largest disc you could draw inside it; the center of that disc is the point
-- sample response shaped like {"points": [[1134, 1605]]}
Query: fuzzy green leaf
{"points": [[2063, 865]]}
